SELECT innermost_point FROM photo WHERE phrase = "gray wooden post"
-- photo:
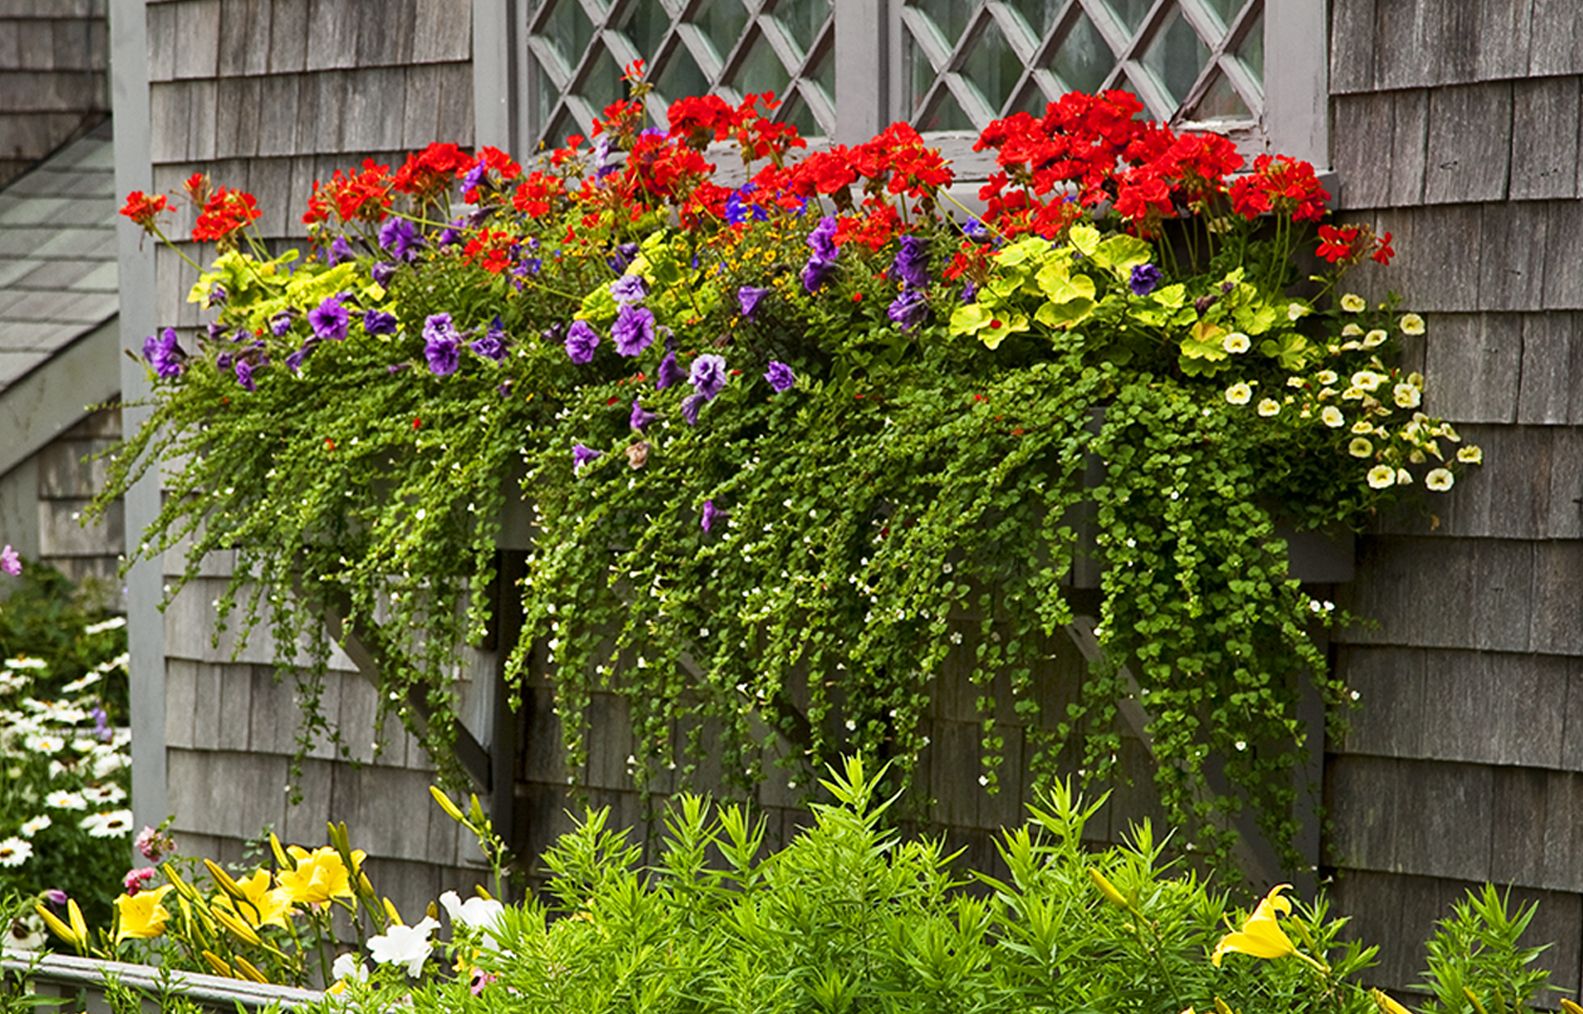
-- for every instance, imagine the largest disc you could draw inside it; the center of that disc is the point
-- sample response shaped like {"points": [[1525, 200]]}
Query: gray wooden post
{"points": [[862, 76], [129, 101], [1297, 79]]}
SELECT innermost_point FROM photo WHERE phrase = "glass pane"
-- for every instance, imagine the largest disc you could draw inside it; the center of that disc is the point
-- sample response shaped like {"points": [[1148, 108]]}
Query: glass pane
{"points": [[802, 20], [645, 25], [721, 22], [601, 84], [760, 69], [951, 17], [1251, 49], [796, 112], [1030, 100], [1038, 15], [822, 74], [545, 94], [1083, 59], [1226, 10], [1221, 102], [1175, 56], [568, 31], [920, 73], [1130, 12], [992, 66], [680, 75], [944, 114], [563, 125]]}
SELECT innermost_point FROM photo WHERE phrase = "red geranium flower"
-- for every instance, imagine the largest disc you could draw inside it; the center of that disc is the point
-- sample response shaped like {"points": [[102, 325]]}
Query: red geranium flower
{"points": [[225, 213], [143, 209]]}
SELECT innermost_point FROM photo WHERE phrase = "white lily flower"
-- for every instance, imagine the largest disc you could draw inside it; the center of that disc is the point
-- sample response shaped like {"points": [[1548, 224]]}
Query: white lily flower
{"points": [[404, 945], [474, 913]]}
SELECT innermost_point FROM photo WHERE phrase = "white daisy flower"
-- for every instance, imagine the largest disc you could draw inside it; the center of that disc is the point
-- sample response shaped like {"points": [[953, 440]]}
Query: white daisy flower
{"points": [[110, 824], [1439, 479], [45, 743], [1382, 477], [113, 623], [35, 825], [83, 684], [23, 662], [15, 851], [60, 799], [1332, 417], [104, 794]]}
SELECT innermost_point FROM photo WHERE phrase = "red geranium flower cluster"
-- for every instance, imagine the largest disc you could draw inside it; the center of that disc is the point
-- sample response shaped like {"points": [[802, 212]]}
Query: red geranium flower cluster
{"points": [[364, 194], [430, 171], [491, 250], [490, 160], [143, 209], [702, 119], [1349, 244], [224, 213], [1280, 184], [537, 193]]}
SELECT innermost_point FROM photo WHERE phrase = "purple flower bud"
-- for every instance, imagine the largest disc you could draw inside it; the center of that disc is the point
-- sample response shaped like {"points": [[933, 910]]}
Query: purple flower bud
{"points": [[670, 372], [710, 515], [56, 897], [379, 322], [442, 345], [582, 454], [281, 322], [382, 272], [690, 406], [640, 416]]}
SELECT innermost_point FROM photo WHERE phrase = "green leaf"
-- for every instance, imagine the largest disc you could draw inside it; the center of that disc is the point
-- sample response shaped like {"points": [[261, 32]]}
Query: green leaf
{"points": [[1085, 238], [1122, 253]]}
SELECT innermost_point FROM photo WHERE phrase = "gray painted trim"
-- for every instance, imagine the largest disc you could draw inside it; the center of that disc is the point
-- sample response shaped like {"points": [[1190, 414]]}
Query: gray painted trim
{"points": [[492, 74], [68, 974], [129, 100], [862, 71], [1297, 79], [49, 400]]}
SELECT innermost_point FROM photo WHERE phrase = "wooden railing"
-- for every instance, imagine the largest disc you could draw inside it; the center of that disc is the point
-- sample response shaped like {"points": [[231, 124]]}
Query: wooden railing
{"points": [[83, 981]]}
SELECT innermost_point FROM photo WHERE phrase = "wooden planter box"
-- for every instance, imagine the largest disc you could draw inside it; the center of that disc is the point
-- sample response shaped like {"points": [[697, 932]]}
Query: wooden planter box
{"points": [[81, 981]]}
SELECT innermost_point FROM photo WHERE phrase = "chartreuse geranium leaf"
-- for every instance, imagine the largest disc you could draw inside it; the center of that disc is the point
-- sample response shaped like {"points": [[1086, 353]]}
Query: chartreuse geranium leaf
{"points": [[1016, 253], [969, 319], [1065, 314], [1256, 318], [1201, 349], [995, 330], [1290, 349], [599, 306], [1121, 254], [1084, 238]]}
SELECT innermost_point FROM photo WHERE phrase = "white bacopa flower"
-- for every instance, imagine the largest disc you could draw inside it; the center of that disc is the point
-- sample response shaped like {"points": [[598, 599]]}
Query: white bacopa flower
{"points": [[1382, 477], [60, 799], [1239, 394], [1407, 396], [1360, 447], [1331, 416], [1439, 479], [15, 851], [1353, 303], [1269, 407], [1472, 454], [35, 825], [404, 945], [1236, 343], [109, 824], [474, 913], [1411, 324]]}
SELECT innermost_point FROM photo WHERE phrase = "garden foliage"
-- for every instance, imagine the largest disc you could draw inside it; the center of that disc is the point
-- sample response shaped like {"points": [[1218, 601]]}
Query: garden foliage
{"points": [[791, 444]]}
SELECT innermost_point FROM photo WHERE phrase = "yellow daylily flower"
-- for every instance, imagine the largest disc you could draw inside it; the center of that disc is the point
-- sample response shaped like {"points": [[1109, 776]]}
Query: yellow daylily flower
{"points": [[1390, 1006], [320, 875], [1569, 1007], [74, 933], [260, 904], [1260, 936], [141, 916]]}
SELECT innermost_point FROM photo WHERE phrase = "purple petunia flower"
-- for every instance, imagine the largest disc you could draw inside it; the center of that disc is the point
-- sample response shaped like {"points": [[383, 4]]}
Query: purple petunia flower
{"points": [[822, 239], [339, 251], [215, 331], [975, 228], [295, 360], [780, 377], [690, 406], [400, 237], [382, 272], [582, 454], [748, 299], [640, 417], [217, 295], [475, 176], [281, 322], [244, 374], [165, 354], [815, 273], [10, 561], [581, 340], [633, 330], [493, 344], [452, 233], [908, 308], [670, 372], [629, 289], [442, 345], [1145, 278], [708, 376], [969, 292], [330, 319], [710, 515], [911, 265], [623, 256], [379, 322]]}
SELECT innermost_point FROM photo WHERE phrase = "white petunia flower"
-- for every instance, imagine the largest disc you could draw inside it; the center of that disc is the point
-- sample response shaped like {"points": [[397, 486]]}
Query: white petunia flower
{"points": [[1382, 477], [1331, 416], [1439, 479], [347, 966], [1353, 303], [1374, 339], [1411, 324], [1366, 380]]}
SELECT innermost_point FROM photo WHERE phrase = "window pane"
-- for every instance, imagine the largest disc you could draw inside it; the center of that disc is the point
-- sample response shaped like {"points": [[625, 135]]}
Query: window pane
{"points": [[950, 17], [760, 69], [1176, 56], [1039, 15], [1251, 50], [1130, 12], [721, 22], [1083, 59], [680, 75], [945, 114], [1226, 10], [568, 31], [991, 66], [803, 19], [1221, 102]]}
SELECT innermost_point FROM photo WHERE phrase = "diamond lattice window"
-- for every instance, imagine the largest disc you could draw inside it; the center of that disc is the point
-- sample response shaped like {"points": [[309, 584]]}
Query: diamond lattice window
{"points": [[729, 47], [966, 62]]}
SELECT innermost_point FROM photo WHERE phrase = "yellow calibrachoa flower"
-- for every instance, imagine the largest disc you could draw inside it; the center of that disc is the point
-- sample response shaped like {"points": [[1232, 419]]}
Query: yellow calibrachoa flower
{"points": [[141, 916], [263, 905], [1353, 303], [1260, 936], [320, 875]]}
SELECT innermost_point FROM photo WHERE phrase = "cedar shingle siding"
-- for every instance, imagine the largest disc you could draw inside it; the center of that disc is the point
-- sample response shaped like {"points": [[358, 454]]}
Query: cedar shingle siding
{"points": [[1455, 125], [53, 84]]}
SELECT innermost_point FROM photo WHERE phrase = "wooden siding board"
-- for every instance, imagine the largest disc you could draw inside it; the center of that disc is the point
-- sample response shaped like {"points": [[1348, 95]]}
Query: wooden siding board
{"points": [[1501, 36], [1545, 139], [376, 109], [236, 132], [1513, 255], [1555, 38], [443, 31], [197, 28], [1351, 46], [1556, 622], [1427, 817], [276, 133], [1401, 57], [421, 113], [1563, 286], [1565, 520], [245, 28], [288, 36], [1363, 162], [332, 34], [1469, 146], [387, 40], [1474, 362]]}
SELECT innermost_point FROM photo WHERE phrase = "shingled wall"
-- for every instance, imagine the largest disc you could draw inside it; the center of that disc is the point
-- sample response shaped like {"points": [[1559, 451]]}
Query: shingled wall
{"points": [[269, 95], [53, 58], [1455, 126]]}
